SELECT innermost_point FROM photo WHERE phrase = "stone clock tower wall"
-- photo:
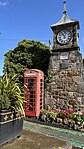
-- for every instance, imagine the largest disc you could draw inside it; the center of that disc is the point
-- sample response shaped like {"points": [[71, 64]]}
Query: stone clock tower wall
{"points": [[65, 89], [66, 80]]}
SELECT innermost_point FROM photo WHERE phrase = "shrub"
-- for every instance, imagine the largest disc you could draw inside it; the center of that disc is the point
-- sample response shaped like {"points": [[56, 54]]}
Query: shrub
{"points": [[11, 96]]}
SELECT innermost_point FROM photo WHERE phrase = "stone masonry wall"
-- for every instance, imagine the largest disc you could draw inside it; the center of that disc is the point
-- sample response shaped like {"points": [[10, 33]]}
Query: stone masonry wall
{"points": [[66, 81]]}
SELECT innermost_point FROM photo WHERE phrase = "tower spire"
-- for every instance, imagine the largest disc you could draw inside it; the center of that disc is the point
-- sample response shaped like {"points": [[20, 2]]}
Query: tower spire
{"points": [[64, 7], [65, 19]]}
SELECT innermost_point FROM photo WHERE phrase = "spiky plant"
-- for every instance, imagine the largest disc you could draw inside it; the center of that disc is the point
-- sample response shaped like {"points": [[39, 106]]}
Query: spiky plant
{"points": [[11, 95]]}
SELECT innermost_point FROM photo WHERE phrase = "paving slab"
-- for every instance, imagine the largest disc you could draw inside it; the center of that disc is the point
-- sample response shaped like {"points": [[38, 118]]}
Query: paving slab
{"points": [[32, 140], [74, 137]]}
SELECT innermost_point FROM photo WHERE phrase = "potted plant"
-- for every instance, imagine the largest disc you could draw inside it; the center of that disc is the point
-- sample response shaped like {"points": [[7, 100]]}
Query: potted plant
{"points": [[43, 115], [51, 117], [11, 109]]}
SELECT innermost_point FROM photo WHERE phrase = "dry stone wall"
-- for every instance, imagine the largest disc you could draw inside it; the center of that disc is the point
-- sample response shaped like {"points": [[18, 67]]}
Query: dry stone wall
{"points": [[66, 81]]}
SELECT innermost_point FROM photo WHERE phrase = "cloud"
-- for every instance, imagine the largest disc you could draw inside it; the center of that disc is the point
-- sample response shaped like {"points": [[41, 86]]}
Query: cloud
{"points": [[3, 3]]}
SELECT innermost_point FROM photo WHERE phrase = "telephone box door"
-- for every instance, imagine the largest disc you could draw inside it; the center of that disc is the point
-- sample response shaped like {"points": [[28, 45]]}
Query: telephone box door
{"points": [[34, 92], [30, 94]]}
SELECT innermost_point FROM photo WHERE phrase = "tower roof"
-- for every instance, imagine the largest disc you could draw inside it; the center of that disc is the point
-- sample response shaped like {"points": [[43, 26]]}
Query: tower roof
{"points": [[65, 19]]}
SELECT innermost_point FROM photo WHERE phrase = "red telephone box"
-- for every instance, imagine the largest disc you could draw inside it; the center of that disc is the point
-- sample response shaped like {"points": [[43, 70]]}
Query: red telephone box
{"points": [[34, 92]]}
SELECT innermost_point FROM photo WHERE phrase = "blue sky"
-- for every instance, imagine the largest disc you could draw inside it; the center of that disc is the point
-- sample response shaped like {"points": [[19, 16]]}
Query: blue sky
{"points": [[31, 19]]}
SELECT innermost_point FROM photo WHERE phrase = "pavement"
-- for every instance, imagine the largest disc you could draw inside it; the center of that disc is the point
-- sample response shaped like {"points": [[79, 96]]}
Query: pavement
{"points": [[39, 136], [75, 138], [32, 140]]}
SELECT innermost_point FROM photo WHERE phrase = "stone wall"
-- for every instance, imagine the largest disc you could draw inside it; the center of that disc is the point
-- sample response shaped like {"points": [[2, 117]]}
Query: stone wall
{"points": [[66, 81]]}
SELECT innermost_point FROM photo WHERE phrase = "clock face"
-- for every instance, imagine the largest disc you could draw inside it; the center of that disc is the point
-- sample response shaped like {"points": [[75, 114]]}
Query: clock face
{"points": [[64, 36]]}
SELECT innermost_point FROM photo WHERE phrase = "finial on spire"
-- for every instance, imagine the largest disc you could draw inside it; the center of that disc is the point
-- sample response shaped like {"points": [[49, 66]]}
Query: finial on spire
{"points": [[64, 7]]}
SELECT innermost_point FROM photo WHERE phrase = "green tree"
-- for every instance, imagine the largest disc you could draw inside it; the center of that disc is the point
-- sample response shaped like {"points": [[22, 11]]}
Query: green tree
{"points": [[28, 54]]}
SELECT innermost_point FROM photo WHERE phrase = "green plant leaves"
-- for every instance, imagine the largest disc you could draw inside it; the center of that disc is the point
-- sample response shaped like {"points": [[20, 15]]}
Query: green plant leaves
{"points": [[10, 93], [28, 54]]}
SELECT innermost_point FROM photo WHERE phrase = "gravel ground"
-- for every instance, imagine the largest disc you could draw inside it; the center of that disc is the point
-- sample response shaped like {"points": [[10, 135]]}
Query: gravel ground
{"points": [[32, 140]]}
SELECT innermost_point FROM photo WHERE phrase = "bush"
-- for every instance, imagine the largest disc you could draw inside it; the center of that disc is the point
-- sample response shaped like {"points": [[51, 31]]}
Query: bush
{"points": [[11, 96]]}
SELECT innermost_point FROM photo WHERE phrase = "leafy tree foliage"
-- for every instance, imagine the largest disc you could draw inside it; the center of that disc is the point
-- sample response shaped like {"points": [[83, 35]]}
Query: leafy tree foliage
{"points": [[28, 54]]}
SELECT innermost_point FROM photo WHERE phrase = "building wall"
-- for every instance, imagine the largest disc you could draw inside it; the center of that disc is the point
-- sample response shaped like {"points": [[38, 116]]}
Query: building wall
{"points": [[66, 81]]}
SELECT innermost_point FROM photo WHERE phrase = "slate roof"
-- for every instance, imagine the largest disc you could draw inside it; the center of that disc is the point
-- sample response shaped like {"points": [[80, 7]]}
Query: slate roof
{"points": [[65, 19]]}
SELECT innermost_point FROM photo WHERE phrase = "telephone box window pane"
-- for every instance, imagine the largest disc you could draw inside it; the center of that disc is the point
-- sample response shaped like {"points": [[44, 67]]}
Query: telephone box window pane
{"points": [[32, 93], [41, 92], [31, 96]]}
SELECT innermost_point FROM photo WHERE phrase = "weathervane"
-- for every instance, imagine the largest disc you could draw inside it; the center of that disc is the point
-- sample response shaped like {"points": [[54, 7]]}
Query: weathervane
{"points": [[64, 7]]}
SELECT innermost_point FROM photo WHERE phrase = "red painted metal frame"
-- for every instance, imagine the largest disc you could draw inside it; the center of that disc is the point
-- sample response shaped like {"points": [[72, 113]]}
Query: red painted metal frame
{"points": [[38, 89]]}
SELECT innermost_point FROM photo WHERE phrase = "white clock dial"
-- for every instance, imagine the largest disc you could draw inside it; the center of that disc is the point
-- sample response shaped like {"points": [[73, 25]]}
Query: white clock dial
{"points": [[64, 36]]}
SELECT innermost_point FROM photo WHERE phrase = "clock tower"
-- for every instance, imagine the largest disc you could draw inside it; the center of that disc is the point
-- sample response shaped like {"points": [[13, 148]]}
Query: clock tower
{"points": [[66, 70], [65, 33]]}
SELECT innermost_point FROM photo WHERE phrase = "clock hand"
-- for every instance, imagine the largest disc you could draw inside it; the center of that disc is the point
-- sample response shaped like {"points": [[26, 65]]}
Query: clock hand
{"points": [[64, 35]]}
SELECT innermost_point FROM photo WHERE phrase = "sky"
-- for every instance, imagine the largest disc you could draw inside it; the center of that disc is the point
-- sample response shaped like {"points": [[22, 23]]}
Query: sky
{"points": [[31, 20]]}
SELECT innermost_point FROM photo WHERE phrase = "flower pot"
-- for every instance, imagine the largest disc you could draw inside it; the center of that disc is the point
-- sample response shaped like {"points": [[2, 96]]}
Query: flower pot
{"points": [[11, 124], [43, 117]]}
